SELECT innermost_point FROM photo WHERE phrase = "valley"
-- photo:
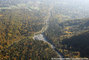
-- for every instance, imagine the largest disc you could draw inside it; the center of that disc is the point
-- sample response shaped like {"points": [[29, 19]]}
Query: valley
{"points": [[43, 29]]}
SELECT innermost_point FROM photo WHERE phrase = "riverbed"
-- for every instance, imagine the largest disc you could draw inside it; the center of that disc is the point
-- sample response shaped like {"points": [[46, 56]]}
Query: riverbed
{"points": [[41, 37]]}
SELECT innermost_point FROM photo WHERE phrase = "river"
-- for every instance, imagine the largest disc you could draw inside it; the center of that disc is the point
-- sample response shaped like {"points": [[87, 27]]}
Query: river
{"points": [[41, 37]]}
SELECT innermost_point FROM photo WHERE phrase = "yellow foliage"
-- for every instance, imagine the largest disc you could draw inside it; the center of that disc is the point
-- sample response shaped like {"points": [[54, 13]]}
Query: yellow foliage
{"points": [[46, 49], [68, 32], [67, 55], [60, 50], [14, 58], [1, 15], [1, 47], [6, 57], [65, 50], [9, 34], [28, 17], [67, 28]]}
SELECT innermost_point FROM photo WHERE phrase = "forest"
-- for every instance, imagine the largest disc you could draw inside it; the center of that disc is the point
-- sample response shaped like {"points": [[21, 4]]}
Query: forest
{"points": [[65, 27], [68, 34], [78, 43]]}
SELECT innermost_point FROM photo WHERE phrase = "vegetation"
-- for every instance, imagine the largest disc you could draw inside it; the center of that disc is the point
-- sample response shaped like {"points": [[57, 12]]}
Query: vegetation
{"points": [[63, 31], [17, 27], [28, 49], [68, 29], [78, 43]]}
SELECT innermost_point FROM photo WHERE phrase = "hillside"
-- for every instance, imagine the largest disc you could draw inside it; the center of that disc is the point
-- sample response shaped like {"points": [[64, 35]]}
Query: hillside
{"points": [[57, 32], [78, 43], [43, 29]]}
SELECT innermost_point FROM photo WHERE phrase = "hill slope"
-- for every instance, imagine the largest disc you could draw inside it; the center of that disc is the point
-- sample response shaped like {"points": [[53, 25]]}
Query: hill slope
{"points": [[79, 43]]}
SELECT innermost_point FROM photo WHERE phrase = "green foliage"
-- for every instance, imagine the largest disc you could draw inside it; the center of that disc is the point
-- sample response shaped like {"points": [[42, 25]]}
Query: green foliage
{"points": [[78, 43], [28, 49]]}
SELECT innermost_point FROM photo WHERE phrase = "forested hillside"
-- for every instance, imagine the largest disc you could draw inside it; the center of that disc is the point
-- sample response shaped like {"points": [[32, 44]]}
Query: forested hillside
{"points": [[17, 27], [60, 28], [58, 31], [78, 43], [28, 49]]}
